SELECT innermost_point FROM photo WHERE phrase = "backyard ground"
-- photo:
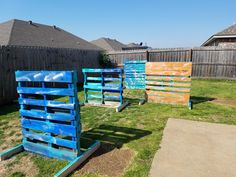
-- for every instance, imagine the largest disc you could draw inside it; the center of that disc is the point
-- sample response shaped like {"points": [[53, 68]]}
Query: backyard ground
{"points": [[129, 138]]}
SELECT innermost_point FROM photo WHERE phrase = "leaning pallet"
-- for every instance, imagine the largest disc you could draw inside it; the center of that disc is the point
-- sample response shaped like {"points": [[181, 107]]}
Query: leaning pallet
{"points": [[169, 82], [134, 74], [50, 127], [104, 87]]}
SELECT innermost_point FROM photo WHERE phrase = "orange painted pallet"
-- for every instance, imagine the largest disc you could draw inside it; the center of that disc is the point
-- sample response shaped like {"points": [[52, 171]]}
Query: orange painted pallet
{"points": [[168, 82]]}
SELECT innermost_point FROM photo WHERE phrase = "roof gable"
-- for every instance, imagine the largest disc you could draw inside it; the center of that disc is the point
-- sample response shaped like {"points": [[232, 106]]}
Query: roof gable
{"points": [[5, 32], [228, 31], [34, 34], [109, 44]]}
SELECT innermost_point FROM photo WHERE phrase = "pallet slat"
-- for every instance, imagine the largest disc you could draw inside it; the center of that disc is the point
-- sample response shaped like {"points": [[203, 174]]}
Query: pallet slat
{"points": [[49, 127], [89, 70], [169, 73], [171, 89], [102, 87], [44, 76], [169, 68], [168, 78], [48, 116], [167, 100], [168, 94], [175, 84], [46, 91], [50, 139], [52, 104], [49, 151]]}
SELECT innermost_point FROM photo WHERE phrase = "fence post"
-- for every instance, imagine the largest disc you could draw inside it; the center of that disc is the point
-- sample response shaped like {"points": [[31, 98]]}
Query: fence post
{"points": [[147, 55], [191, 54]]}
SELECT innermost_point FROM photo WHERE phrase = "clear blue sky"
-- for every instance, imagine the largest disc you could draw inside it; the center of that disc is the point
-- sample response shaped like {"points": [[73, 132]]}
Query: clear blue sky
{"points": [[159, 23]]}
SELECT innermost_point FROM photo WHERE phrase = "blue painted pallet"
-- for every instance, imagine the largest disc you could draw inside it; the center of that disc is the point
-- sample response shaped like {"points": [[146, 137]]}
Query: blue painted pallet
{"points": [[103, 85], [40, 131], [50, 127], [134, 74]]}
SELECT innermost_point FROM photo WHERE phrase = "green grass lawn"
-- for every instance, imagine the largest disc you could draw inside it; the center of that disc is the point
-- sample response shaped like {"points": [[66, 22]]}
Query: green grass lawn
{"points": [[140, 128]]}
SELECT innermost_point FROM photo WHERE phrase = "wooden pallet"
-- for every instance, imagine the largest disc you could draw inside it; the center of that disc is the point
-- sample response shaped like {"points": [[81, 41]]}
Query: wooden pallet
{"points": [[134, 74], [49, 127], [168, 82], [104, 87]]}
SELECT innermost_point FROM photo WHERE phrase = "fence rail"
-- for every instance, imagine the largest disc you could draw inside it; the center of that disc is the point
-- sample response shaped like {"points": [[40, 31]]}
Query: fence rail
{"points": [[14, 58], [212, 62]]}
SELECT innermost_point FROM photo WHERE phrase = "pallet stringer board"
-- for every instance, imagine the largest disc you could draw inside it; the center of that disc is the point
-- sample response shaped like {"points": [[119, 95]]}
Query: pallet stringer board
{"points": [[79, 160], [11, 152]]}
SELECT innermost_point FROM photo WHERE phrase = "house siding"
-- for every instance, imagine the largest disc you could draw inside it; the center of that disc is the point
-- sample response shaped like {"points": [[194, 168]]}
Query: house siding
{"points": [[223, 42]]}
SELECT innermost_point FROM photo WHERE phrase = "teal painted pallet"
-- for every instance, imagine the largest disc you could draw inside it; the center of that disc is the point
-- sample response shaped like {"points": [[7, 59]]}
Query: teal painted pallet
{"points": [[134, 73], [103, 87]]}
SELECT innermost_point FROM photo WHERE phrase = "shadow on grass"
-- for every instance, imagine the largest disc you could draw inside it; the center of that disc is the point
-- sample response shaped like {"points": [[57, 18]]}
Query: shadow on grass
{"points": [[114, 135], [111, 137], [6, 109], [197, 99]]}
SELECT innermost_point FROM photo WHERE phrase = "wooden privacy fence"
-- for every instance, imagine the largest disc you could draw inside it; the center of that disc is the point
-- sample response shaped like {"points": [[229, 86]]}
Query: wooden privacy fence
{"points": [[14, 58], [168, 82], [208, 62]]}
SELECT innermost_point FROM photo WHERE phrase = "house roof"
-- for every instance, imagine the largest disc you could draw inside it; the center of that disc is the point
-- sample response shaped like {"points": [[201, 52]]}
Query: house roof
{"points": [[109, 44], [229, 32], [23, 33], [132, 45]]}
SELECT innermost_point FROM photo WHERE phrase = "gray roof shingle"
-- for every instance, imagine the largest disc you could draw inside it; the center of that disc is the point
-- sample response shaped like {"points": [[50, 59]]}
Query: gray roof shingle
{"points": [[23, 33], [228, 31], [108, 44]]}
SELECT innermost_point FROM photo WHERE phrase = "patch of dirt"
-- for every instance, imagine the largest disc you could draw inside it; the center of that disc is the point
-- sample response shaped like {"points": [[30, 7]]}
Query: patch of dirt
{"points": [[107, 161], [24, 165], [140, 126], [224, 102]]}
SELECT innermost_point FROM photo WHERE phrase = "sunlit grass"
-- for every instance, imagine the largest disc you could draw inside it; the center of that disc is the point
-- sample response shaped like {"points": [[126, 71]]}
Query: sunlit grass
{"points": [[143, 125]]}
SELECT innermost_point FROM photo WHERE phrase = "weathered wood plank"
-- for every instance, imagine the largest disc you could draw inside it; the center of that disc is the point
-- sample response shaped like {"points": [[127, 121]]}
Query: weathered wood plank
{"points": [[168, 94], [10, 152], [175, 84], [168, 78], [171, 89], [122, 106], [168, 73], [167, 100]]}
